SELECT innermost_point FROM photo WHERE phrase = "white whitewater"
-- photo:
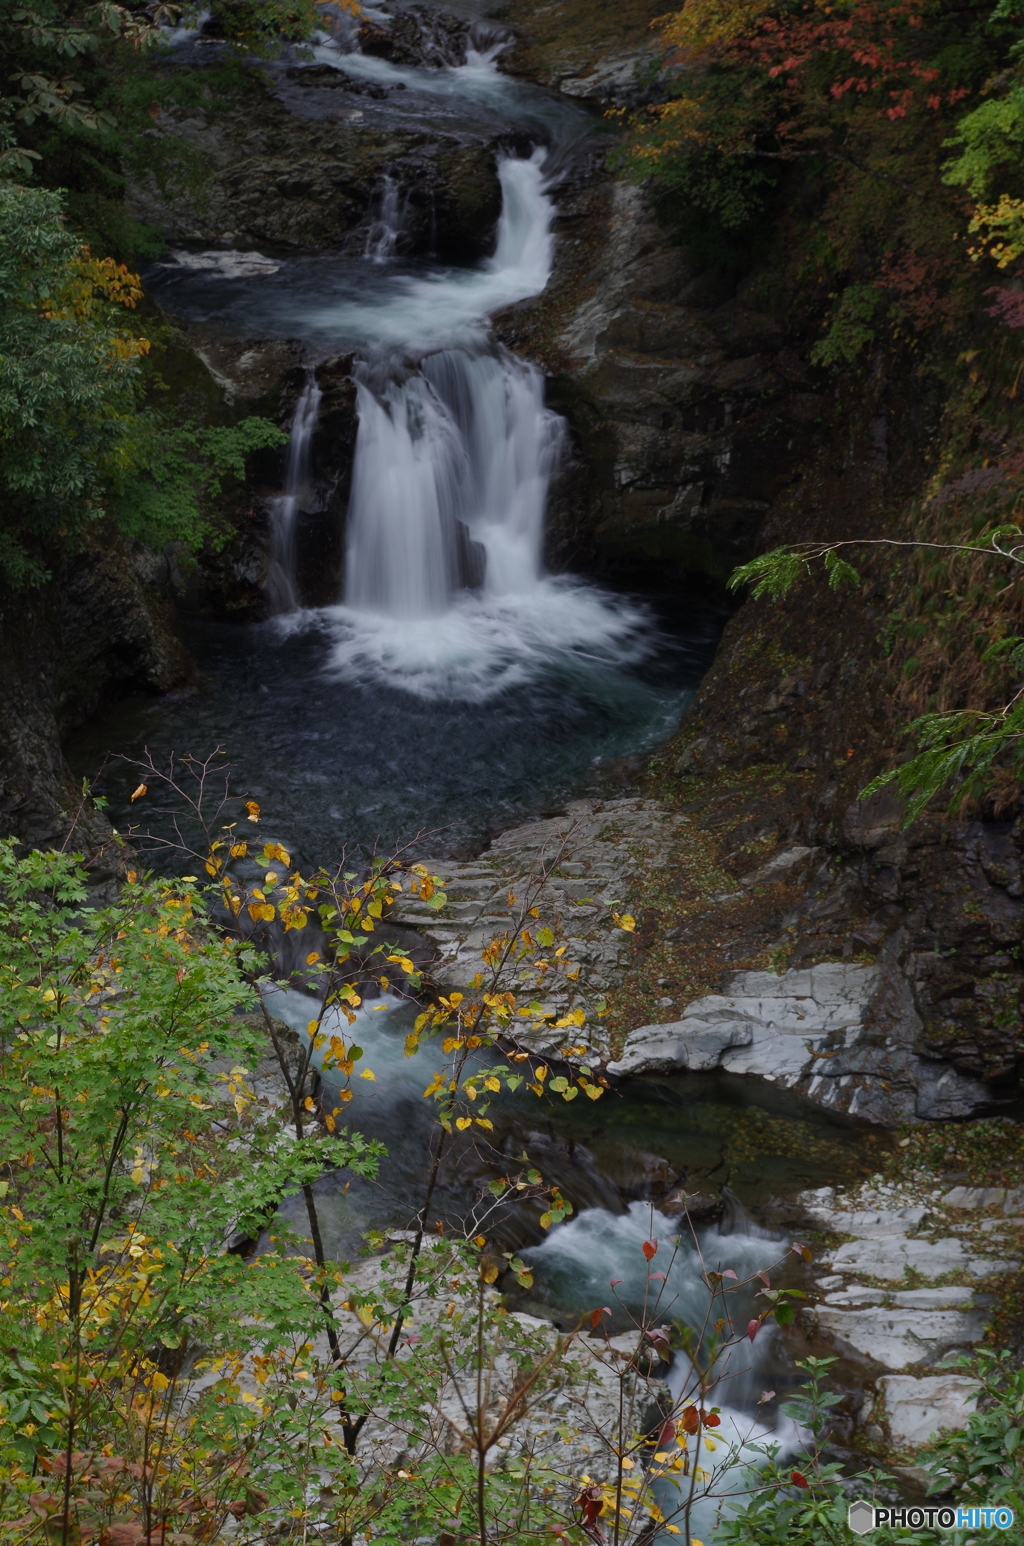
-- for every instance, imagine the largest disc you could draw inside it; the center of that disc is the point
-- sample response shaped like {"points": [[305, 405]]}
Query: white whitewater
{"points": [[445, 593], [433, 310], [388, 217], [456, 457], [281, 579], [597, 1257]]}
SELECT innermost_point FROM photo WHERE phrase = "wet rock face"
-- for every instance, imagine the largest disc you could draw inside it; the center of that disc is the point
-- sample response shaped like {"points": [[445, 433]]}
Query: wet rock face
{"points": [[418, 35], [295, 166], [101, 628], [684, 400]]}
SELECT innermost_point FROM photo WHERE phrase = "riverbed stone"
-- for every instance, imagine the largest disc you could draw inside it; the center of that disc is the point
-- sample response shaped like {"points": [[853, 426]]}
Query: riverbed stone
{"points": [[864, 1316], [920, 1406], [896, 1338], [767, 1024], [975, 1197], [580, 868], [891, 1257]]}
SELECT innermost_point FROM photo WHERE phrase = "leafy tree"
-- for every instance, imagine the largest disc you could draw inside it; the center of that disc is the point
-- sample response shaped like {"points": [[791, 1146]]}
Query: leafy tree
{"points": [[131, 1148], [76, 440]]}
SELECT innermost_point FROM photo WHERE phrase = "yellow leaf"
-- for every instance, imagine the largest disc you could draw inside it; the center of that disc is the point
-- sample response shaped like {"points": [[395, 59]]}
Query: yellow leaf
{"points": [[368, 1073], [309, 1103], [570, 1093], [253, 809], [463, 1122], [138, 1175], [238, 850], [624, 921], [330, 1123], [541, 1072], [485, 1122], [158, 1381], [314, 955], [593, 1090], [489, 1273], [140, 791], [345, 1095]]}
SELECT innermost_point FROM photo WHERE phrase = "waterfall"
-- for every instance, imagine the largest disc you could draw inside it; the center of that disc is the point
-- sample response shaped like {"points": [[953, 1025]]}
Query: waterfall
{"points": [[445, 590], [457, 456], [387, 208], [281, 578], [453, 461]]}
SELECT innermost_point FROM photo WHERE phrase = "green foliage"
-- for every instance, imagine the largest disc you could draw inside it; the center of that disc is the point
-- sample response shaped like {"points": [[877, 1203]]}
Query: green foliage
{"points": [[178, 472], [803, 1501], [851, 326], [130, 1149], [774, 574], [959, 750], [990, 139], [76, 441], [986, 1461]]}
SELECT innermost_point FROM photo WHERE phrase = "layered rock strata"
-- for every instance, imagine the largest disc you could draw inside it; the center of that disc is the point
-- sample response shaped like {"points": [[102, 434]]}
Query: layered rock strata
{"points": [[906, 1280]]}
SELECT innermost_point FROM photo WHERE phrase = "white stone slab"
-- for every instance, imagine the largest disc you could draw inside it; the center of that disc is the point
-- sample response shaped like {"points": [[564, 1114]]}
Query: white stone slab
{"points": [[918, 1407], [889, 1258], [975, 1197], [767, 1024], [899, 1338]]}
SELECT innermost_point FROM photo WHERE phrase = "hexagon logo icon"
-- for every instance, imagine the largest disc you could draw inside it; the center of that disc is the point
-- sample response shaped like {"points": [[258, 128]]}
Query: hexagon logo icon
{"points": [[861, 1517]]}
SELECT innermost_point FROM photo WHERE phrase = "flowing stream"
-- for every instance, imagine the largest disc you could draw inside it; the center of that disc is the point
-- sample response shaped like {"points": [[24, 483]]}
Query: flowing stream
{"points": [[455, 686]]}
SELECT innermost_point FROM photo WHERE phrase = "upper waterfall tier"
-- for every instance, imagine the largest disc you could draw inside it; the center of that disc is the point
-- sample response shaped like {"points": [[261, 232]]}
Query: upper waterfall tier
{"points": [[415, 311]]}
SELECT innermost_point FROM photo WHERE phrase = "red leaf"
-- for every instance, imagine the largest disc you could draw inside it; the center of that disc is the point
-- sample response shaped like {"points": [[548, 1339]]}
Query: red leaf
{"points": [[595, 1315], [660, 1345], [765, 1279], [666, 1433], [614, 1282], [651, 1276], [766, 1395], [650, 1249], [753, 1327], [799, 1479], [710, 1419], [690, 1420], [728, 1273], [592, 1506]]}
